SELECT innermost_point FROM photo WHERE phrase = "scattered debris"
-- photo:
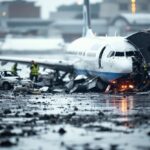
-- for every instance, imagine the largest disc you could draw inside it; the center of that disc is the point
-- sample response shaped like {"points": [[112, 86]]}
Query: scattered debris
{"points": [[6, 133], [7, 143], [7, 111], [75, 108], [61, 131], [98, 116]]}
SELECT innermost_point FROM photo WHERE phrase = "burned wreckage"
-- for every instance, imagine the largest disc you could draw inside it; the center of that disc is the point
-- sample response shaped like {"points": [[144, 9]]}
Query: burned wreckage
{"points": [[106, 64], [65, 78], [137, 81]]}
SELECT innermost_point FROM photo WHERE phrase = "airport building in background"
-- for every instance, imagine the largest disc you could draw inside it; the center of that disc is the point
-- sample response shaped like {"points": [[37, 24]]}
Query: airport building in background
{"points": [[19, 9], [109, 17], [20, 17], [112, 8]]}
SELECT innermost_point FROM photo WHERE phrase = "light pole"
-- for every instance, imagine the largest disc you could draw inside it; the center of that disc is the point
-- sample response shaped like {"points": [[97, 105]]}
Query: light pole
{"points": [[133, 6]]}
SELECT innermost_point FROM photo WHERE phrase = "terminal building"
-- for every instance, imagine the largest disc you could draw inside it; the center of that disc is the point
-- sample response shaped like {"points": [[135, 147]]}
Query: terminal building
{"points": [[22, 17], [19, 9], [110, 17]]}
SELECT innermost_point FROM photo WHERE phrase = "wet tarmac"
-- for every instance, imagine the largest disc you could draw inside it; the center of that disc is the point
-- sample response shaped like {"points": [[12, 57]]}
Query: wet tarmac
{"points": [[90, 121]]}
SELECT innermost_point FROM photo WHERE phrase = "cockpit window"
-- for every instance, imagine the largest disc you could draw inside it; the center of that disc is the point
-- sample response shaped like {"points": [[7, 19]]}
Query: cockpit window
{"points": [[119, 54], [137, 53], [111, 54], [133, 53], [122, 54], [130, 53], [116, 54]]}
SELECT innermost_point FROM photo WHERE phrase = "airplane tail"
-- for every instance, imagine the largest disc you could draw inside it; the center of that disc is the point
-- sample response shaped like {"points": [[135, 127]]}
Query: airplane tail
{"points": [[87, 31]]}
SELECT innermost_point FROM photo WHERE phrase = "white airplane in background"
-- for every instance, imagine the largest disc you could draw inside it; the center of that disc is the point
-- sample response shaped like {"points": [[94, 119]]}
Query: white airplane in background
{"points": [[107, 58]]}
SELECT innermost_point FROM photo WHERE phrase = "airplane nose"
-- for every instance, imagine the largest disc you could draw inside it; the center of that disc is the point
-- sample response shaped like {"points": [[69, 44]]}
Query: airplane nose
{"points": [[126, 66]]}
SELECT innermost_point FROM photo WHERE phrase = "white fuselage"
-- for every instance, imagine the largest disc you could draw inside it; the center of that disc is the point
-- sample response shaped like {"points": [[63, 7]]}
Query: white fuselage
{"points": [[106, 57]]}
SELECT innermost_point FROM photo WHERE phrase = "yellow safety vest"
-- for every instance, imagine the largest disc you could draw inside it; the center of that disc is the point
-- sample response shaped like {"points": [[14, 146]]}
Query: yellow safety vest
{"points": [[14, 69], [34, 70], [145, 67]]}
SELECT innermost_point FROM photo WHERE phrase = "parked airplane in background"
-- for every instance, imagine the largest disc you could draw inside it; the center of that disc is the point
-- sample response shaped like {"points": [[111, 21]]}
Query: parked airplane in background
{"points": [[106, 58]]}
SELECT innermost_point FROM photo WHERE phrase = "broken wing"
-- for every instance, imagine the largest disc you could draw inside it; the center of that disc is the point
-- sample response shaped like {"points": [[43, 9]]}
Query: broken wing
{"points": [[60, 65]]}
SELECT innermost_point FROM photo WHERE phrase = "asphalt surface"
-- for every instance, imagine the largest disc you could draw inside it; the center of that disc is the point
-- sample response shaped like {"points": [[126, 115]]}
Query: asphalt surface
{"points": [[89, 121]]}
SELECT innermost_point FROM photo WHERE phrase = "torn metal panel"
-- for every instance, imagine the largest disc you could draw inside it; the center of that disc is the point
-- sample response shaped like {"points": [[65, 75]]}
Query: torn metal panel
{"points": [[142, 41]]}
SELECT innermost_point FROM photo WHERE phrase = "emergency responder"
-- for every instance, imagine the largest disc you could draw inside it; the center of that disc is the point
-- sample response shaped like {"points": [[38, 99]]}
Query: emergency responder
{"points": [[34, 71], [14, 69], [145, 68]]}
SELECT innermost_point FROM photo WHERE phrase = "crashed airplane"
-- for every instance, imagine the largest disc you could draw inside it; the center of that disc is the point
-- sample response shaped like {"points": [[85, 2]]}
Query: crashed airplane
{"points": [[113, 61]]}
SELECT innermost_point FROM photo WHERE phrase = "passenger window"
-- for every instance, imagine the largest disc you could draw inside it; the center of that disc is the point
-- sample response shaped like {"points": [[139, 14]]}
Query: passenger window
{"points": [[119, 54]]}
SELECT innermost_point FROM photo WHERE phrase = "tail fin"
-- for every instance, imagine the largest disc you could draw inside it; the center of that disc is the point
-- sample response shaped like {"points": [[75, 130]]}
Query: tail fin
{"points": [[87, 31]]}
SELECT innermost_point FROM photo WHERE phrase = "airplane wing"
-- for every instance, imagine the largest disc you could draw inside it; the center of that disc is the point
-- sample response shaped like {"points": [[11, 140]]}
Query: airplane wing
{"points": [[62, 65]]}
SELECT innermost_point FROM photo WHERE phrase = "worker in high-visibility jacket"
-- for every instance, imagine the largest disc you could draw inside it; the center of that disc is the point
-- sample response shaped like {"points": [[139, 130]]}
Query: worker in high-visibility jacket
{"points": [[145, 72], [34, 71], [14, 69]]}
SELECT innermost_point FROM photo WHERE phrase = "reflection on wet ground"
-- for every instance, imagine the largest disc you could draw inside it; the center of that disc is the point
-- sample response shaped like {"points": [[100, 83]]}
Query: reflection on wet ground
{"points": [[88, 121]]}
